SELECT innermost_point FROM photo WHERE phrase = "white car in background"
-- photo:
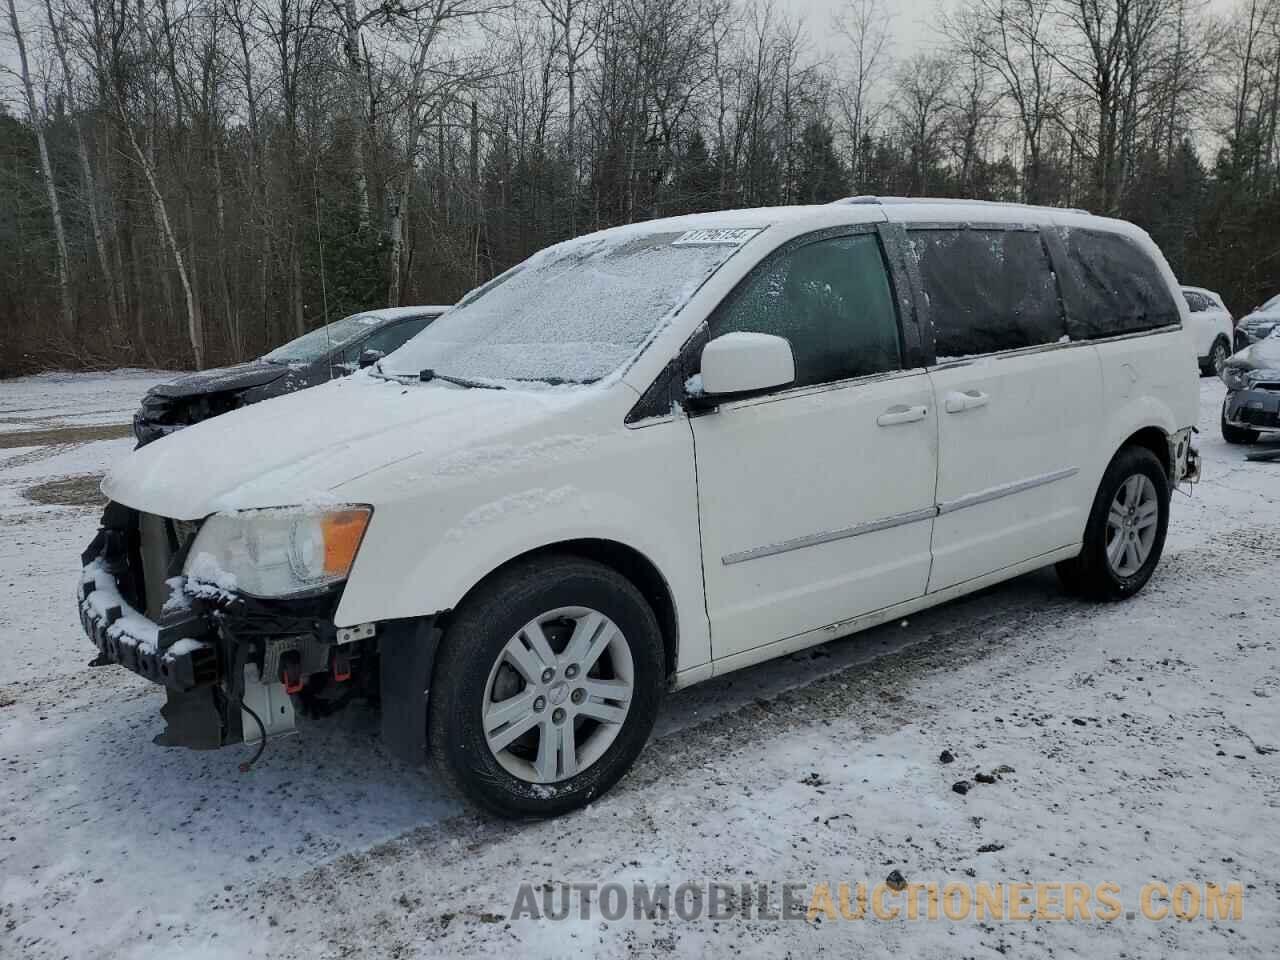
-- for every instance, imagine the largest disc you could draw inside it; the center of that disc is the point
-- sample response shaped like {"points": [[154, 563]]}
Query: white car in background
{"points": [[1211, 328], [1260, 323], [651, 456]]}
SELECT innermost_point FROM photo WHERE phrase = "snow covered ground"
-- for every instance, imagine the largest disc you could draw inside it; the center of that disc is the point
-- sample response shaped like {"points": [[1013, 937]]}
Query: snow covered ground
{"points": [[1140, 738]]}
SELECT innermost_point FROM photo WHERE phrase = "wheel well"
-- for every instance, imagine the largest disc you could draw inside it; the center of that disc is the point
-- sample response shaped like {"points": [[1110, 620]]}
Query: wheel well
{"points": [[1155, 440], [631, 564]]}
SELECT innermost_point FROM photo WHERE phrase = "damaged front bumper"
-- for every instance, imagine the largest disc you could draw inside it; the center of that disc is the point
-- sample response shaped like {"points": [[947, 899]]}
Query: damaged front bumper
{"points": [[1257, 408], [228, 662], [179, 654]]}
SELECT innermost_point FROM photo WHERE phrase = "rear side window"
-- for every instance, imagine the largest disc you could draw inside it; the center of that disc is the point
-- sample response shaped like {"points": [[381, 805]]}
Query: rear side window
{"points": [[1195, 301], [1117, 287], [988, 290], [831, 299]]}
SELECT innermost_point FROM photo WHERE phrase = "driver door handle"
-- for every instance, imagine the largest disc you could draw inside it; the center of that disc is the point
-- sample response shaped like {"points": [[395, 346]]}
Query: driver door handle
{"points": [[899, 413], [957, 402]]}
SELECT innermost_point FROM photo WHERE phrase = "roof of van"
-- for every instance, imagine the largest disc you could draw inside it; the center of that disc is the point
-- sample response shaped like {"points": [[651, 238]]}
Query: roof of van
{"points": [[737, 226]]}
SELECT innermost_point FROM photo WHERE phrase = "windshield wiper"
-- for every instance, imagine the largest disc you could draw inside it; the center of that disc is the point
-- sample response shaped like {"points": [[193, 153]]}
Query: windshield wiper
{"points": [[426, 376]]}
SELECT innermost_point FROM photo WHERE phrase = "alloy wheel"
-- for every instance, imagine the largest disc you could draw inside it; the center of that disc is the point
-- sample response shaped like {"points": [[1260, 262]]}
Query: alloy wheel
{"points": [[1132, 523], [1219, 358], [558, 694]]}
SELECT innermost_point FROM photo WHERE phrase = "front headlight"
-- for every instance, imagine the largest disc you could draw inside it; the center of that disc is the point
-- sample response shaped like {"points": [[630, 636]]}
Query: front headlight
{"points": [[278, 552], [1233, 377]]}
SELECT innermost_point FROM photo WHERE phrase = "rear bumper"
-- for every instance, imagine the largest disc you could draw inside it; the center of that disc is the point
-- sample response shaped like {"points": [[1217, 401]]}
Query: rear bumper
{"points": [[1253, 409]]}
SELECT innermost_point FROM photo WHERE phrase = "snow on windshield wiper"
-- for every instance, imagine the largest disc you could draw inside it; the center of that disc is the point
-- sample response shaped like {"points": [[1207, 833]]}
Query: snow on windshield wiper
{"points": [[426, 376]]}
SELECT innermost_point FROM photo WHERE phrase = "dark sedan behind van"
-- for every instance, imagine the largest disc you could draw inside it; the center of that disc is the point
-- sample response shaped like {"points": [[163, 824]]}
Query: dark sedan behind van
{"points": [[330, 351]]}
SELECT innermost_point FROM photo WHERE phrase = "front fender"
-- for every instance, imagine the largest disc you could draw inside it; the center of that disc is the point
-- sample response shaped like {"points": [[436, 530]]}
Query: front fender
{"points": [[422, 555]]}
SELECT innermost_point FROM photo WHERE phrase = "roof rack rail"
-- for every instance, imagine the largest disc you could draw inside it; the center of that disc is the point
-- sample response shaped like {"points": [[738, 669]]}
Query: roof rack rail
{"points": [[943, 201]]}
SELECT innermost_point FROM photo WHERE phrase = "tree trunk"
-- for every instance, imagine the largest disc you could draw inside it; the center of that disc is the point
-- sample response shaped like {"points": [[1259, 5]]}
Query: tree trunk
{"points": [[356, 108], [88, 181], [195, 328], [235, 337], [295, 285], [399, 216], [46, 169]]}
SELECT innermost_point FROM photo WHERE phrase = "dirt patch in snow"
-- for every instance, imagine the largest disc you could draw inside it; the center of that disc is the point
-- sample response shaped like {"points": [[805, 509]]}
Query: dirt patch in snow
{"points": [[59, 435], [79, 491]]}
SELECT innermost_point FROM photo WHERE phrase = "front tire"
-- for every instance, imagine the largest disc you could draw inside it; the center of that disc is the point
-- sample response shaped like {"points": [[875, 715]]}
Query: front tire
{"points": [[1125, 534], [1237, 435], [546, 687]]}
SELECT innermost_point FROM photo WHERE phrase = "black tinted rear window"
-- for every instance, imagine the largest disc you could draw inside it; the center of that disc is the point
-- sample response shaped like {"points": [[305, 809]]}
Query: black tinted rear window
{"points": [[1116, 287], [988, 290]]}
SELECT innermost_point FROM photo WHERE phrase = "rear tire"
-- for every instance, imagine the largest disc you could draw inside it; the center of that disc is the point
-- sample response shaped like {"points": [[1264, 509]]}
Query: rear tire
{"points": [[1125, 534], [1237, 435], [602, 656]]}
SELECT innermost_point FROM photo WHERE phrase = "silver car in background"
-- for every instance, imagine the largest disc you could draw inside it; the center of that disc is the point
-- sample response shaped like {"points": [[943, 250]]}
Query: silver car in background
{"points": [[1252, 404], [1259, 324]]}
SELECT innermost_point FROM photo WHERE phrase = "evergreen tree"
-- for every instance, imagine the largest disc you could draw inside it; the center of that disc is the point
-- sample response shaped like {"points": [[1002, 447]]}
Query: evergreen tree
{"points": [[820, 176]]}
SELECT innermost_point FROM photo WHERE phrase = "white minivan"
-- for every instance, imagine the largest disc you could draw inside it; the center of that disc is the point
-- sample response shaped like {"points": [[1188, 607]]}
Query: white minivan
{"points": [[646, 457]]}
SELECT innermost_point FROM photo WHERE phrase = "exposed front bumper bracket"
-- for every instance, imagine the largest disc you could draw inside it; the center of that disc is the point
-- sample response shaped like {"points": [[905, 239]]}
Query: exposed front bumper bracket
{"points": [[107, 620]]}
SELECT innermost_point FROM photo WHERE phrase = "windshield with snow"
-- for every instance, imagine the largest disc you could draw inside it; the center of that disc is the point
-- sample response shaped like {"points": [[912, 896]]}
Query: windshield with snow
{"points": [[572, 313], [316, 344]]}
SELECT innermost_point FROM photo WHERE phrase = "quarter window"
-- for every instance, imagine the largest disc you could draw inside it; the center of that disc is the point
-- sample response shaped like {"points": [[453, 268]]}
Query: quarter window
{"points": [[1117, 287], [831, 299], [987, 290]]}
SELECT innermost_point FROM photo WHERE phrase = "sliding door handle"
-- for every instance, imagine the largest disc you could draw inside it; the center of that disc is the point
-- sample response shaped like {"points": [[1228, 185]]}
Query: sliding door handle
{"points": [[900, 413]]}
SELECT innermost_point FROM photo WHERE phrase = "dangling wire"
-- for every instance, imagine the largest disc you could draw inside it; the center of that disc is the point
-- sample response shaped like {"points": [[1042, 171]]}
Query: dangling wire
{"points": [[324, 290]]}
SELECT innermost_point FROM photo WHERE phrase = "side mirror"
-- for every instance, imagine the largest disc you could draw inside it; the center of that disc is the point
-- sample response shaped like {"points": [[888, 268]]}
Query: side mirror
{"points": [[745, 362], [369, 357]]}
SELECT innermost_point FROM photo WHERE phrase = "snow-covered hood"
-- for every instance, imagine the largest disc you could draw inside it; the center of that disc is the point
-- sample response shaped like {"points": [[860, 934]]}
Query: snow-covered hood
{"points": [[302, 447], [241, 376], [1263, 355]]}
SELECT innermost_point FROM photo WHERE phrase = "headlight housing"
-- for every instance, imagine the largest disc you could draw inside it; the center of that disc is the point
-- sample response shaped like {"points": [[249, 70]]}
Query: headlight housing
{"points": [[278, 552], [1233, 377]]}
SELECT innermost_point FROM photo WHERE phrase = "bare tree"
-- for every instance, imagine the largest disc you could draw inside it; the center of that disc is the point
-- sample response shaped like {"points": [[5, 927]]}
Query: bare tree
{"points": [[922, 86], [866, 26], [88, 182], [36, 116], [1011, 37]]}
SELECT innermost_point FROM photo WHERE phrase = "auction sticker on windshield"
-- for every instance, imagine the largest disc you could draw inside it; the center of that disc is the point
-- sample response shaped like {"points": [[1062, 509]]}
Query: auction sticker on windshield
{"points": [[733, 238]]}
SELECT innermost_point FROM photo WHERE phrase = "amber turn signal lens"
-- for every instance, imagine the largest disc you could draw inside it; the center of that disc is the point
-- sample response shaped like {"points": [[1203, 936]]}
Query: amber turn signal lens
{"points": [[343, 531]]}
